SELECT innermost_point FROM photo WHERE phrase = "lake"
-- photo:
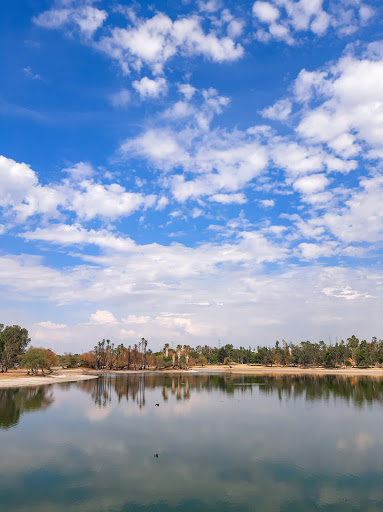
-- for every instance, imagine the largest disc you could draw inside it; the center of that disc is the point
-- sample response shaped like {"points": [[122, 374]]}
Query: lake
{"points": [[214, 443]]}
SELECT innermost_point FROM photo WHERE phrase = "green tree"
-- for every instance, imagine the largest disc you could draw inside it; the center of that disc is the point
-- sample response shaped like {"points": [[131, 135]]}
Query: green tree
{"points": [[352, 344], [35, 359], [229, 353], [13, 343], [362, 354], [201, 361]]}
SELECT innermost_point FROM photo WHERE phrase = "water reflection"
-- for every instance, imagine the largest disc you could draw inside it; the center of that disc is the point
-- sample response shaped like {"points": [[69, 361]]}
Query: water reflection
{"points": [[15, 402], [216, 442], [359, 391]]}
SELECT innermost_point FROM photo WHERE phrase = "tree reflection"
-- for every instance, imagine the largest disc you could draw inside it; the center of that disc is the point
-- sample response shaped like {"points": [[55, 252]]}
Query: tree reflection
{"points": [[358, 391], [14, 402]]}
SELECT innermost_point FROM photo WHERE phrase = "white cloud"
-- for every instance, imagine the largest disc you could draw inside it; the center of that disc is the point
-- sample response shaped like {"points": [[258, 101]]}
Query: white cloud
{"points": [[366, 12], [162, 203], [134, 319], [157, 145], [352, 112], [30, 74], [80, 171], [308, 83], [311, 184], [148, 88], [235, 28], [267, 203], [241, 291], [15, 181], [280, 111], [228, 198], [23, 196], [265, 12], [197, 212], [108, 201], [361, 218], [155, 40], [87, 18], [314, 251], [180, 110], [209, 5], [120, 98], [102, 317], [212, 158], [284, 20], [51, 325], [187, 90]]}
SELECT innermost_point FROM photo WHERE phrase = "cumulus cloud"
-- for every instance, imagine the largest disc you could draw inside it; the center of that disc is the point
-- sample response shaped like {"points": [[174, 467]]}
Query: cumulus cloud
{"points": [[209, 171], [233, 300], [102, 317], [351, 112], [86, 18], [280, 111], [148, 88], [153, 41], [265, 12], [51, 325], [311, 184], [212, 158], [80, 171], [267, 203], [228, 198], [284, 20], [187, 90], [23, 196]]}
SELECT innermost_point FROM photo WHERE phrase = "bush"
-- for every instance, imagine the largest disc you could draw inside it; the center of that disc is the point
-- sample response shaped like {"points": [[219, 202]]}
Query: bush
{"points": [[35, 359]]}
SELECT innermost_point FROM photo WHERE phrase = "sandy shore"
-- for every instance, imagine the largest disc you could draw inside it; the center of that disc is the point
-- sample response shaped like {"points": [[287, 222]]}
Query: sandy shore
{"points": [[18, 379], [15, 379], [281, 370], [257, 370]]}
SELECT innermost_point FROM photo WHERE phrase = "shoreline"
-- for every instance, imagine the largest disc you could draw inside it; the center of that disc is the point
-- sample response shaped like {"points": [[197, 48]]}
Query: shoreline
{"points": [[253, 370], [18, 381], [280, 370]]}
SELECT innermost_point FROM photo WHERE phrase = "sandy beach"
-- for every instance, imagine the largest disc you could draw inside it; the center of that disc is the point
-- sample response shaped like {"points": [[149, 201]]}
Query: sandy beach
{"points": [[282, 370], [18, 378], [258, 370]]}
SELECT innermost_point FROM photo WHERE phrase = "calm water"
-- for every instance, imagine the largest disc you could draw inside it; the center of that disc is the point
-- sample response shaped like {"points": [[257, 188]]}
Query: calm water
{"points": [[215, 443]]}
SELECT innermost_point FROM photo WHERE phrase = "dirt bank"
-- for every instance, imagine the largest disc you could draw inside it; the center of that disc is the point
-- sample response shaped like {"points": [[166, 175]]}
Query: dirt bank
{"points": [[19, 378]]}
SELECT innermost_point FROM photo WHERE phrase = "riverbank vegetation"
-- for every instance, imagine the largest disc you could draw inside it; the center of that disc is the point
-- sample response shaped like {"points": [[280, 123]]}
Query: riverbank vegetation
{"points": [[349, 353], [106, 355]]}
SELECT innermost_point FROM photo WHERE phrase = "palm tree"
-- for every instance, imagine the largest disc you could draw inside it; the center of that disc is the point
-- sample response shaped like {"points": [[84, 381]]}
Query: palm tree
{"points": [[186, 353], [179, 350], [166, 349], [129, 353], [145, 344]]}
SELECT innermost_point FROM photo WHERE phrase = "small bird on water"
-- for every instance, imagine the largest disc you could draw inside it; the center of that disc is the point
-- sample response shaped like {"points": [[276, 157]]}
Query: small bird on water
{"points": [[157, 405]]}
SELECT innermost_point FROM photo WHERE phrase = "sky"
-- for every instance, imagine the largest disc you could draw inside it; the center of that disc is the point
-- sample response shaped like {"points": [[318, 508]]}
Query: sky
{"points": [[191, 172]]}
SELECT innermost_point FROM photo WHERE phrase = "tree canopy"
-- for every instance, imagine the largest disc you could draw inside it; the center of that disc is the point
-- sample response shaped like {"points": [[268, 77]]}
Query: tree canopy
{"points": [[13, 343]]}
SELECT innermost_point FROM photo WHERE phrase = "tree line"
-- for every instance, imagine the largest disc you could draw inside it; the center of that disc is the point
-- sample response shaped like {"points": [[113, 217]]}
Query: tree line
{"points": [[14, 341], [351, 352], [14, 351]]}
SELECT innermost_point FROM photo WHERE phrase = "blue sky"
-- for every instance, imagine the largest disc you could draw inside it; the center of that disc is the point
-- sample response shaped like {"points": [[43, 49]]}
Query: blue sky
{"points": [[188, 171]]}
